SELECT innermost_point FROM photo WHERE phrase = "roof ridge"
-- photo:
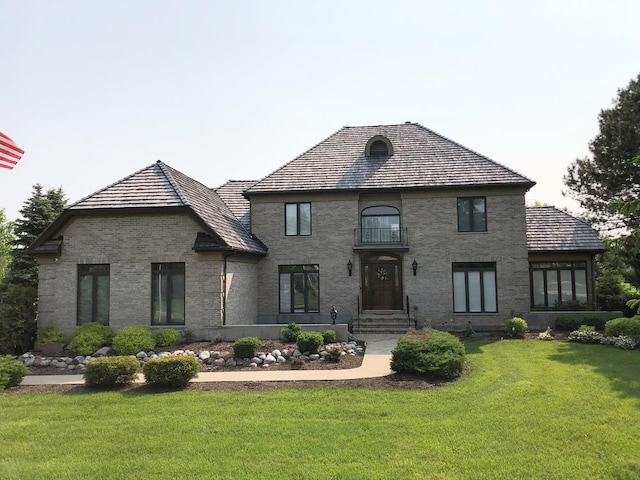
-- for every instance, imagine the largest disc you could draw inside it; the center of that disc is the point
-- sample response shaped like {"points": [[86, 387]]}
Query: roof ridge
{"points": [[165, 169]]}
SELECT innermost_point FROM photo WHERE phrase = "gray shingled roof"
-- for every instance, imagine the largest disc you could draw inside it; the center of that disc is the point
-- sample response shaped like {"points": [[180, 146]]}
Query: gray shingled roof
{"points": [[231, 194], [550, 230], [421, 159], [160, 186]]}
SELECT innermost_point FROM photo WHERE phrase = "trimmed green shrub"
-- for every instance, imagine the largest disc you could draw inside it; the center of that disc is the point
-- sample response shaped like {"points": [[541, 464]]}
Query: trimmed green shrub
{"points": [[105, 332], [291, 332], [50, 335], [334, 354], [186, 336], [131, 340], [431, 353], [12, 371], [567, 324], [166, 336], [587, 328], [629, 327], [597, 322], [171, 371], [516, 327], [329, 336], [110, 371], [86, 343], [246, 347], [309, 341]]}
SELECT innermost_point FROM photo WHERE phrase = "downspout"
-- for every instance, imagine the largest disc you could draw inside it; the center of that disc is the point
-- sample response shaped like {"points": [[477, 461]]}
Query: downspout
{"points": [[224, 287]]}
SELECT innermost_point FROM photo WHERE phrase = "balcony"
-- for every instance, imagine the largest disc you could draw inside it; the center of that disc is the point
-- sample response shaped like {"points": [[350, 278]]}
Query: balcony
{"points": [[375, 238]]}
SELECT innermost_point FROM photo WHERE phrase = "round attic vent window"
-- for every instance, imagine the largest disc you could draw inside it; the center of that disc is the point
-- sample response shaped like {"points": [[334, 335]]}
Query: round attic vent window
{"points": [[378, 146]]}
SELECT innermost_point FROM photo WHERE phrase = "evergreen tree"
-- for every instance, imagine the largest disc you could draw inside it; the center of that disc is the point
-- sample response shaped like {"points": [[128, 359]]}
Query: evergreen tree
{"points": [[609, 181], [6, 243], [18, 293]]}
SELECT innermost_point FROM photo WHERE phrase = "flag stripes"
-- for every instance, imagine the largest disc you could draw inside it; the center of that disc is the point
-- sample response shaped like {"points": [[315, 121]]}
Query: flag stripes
{"points": [[10, 153]]}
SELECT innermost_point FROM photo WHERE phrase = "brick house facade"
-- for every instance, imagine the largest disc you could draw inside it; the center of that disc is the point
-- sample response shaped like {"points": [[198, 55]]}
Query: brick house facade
{"points": [[391, 220]]}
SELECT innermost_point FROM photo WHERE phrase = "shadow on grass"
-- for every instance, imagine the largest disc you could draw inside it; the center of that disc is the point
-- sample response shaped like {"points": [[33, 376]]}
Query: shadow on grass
{"points": [[620, 367]]}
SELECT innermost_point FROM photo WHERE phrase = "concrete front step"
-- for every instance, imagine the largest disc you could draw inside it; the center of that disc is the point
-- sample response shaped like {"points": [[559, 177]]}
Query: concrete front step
{"points": [[388, 324]]}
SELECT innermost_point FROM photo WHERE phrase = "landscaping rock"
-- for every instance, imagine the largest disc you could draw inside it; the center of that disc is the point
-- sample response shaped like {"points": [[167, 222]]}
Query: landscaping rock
{"points": [[101, 352]]}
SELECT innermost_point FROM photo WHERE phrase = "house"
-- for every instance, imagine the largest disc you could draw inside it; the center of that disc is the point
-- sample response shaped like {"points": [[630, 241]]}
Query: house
{"points": [[384, 226]]}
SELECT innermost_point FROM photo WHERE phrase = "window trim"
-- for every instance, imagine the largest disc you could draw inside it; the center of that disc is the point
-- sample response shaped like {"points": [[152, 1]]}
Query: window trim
{"points": [[557, 266], [298, 233], [170, 273], [470, 200], [466, 268], [305, 269], [94, 289]]}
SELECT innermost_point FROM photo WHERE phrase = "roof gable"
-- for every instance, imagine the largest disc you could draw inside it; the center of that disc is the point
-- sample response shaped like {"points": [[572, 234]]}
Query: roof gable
{"points": [[160, 186], [421, 159], [551, 230]]}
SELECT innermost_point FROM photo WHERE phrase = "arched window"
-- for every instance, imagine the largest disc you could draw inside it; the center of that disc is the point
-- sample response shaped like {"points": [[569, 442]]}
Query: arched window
{"points": [[380, 224], [378, 148]]}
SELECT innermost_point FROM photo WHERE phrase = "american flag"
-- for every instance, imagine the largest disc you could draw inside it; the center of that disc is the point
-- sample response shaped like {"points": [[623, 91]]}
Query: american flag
{"points": [[10, 153]]}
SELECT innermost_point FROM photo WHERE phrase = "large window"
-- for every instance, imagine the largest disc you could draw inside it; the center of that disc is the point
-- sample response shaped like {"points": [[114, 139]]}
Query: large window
{"points": [[556, 283], [380, 225], [299, 288], [472, 214], [93, 294], [167, 293], [297, 218], [474, 288]]}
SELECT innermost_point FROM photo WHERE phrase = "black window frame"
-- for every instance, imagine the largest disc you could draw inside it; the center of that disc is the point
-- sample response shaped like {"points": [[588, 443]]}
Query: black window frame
{"points": [[170, 270], [469, 201], [466, 268], [93, 271], [298, 232], [556, 267], [307, 270]]}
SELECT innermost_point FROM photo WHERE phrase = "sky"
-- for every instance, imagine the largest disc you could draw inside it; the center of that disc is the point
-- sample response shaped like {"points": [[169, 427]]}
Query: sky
{"points": [[94, 91]]}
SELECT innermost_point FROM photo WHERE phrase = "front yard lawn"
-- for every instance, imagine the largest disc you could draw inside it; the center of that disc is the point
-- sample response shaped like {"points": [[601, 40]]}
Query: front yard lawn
{"points": [[528, 409]]}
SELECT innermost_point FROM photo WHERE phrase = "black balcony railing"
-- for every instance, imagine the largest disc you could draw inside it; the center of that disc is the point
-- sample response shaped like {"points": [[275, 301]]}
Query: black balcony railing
{"points": [[381, 236]]}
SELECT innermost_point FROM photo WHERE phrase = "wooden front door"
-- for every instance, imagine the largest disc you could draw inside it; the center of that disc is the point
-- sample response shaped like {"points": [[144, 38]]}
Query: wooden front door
{"points": [[381, 282]]}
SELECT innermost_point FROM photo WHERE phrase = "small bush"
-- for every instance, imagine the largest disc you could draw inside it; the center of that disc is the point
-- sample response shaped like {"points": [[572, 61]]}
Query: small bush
{"points": [[246, 347], [431, 353], [629, 327], [334, 354], [131, 340], [567, 324], [329, 336], [623, 342], [291, 332], [110, 371], [298, 364], [516, 327], [50, 335], [585, 336], [105, 332], [587, 328], [597, 322], [86, 343], [12, 372], [309, 341], [171, 371], [166, 336]]}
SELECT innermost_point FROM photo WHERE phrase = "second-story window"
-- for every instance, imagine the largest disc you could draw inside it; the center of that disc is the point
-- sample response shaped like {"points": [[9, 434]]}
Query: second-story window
{"points": [[472, 214], [380, 224], [297, 218]]}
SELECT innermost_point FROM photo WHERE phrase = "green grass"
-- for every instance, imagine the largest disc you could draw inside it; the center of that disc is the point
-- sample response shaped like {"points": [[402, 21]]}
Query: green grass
{"points": [[528, 409]]}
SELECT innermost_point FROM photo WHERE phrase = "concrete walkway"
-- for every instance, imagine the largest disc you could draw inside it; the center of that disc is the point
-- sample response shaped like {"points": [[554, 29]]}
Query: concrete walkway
{"points": [[375, 364]]}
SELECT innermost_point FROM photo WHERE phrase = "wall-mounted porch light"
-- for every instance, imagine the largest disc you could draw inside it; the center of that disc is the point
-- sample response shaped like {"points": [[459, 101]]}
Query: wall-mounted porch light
{"points": [[414, 265], [334, 314], [349, 267]]}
